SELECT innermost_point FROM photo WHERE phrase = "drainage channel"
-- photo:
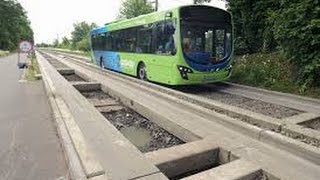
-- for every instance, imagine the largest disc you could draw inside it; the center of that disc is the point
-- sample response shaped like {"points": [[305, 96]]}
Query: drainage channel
{"points": [[143, 133], [202, 160], [149, 137]]}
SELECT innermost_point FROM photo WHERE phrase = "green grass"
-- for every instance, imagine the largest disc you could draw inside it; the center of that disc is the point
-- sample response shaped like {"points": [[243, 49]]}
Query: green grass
{"points": [[32, 70], [4, 53], [270, 71]]}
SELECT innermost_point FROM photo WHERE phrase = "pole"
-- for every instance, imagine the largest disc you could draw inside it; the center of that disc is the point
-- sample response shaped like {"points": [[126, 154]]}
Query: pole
{"points": [[157, 5]]}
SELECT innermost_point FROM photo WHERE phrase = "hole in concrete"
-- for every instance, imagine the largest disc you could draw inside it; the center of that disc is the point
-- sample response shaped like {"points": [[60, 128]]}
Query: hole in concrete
{"points": [[87, 86], [196, 163], [55, 63], [313, 124], [262, 175], [144, 134], [73, 77], [96, 95]]}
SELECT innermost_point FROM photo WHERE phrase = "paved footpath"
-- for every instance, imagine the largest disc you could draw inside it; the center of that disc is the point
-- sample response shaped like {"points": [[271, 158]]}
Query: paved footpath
{"points": [[29, 145]]}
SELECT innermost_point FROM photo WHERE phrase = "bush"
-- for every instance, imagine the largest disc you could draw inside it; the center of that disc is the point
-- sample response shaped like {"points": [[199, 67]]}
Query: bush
{"points": [[269, 70], [264, 70], [297, 29]]}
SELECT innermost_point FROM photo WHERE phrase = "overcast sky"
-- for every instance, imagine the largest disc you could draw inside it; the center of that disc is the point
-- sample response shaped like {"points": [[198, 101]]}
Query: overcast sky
{"points": [[54, 18]]}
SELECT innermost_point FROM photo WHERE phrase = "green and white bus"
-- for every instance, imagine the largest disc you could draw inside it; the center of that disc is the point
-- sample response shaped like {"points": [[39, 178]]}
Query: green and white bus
{"points": [[185, 45]]}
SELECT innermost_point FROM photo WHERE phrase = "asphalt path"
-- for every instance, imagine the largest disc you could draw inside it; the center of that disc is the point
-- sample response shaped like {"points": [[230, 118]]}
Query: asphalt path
{"points": [[29, 144]]}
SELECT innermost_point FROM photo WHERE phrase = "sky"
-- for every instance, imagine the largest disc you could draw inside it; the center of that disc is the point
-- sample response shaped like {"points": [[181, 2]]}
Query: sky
{"points": [[51, 19]]}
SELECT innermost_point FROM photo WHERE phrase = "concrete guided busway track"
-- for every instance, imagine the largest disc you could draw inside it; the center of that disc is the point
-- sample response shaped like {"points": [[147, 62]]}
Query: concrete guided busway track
{"points": [[216, 146]]}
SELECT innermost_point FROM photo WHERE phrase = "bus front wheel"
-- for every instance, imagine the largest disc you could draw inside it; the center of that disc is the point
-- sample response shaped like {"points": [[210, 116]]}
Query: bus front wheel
{"points": [[142, 71]]}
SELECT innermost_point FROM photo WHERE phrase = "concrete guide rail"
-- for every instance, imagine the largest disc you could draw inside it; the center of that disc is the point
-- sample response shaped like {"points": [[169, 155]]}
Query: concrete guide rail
{"points": [[265, 154], [287, 128], [290, 126]]}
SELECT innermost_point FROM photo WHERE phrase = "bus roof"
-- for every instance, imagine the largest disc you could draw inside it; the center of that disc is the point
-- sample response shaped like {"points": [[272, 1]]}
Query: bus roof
{"points": [[140, 20], [98, 30]]}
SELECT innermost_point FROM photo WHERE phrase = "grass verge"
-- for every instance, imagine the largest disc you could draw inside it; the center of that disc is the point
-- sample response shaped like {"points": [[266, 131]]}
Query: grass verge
{"points": [[269, 71], [4, 53], [33, 70]]}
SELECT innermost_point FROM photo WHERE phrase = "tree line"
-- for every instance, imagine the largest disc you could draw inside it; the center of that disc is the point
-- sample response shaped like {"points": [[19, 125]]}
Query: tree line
{"points": [[14, 25], [80, 39], [289, 26]]}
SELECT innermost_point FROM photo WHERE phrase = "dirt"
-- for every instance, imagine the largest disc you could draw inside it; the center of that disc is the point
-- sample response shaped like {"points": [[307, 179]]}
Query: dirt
{"points": [[73, 77], [55, 63], [96, 95], [313, 124], [302, 138], [146, 135], [268, 109]]}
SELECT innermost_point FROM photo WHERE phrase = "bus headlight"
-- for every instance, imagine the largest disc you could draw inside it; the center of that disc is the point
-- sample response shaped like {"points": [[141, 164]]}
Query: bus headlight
{"points": [[184, 71], [229, 68]]}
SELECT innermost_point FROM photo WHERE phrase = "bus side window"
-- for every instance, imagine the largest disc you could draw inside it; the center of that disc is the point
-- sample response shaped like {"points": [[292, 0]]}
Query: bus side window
{"points": [[164, 38], [109, 41], [144, 43]]}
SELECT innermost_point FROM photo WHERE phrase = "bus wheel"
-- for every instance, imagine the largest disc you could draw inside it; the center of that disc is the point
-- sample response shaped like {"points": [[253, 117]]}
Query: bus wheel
{"points": [[142, 72]]}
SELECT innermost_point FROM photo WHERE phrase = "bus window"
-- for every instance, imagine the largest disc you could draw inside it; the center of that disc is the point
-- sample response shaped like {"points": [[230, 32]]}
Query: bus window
{"points": [[204, 43], [144, 44], [100, 42], [164, 38], [109, 41], [219, 42]]}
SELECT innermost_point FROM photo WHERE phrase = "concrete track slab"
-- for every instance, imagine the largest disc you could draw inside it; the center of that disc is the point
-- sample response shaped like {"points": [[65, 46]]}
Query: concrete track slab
{"points": [[238, 169], [284, 99], [222, 137], [118, 157]]}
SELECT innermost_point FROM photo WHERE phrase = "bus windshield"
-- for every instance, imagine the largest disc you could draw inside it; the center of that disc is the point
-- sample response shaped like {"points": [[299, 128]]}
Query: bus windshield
{"points": [[206, 34], [203, 42]]}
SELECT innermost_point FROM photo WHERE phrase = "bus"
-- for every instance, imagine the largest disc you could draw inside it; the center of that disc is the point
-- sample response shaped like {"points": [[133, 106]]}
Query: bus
{"points": [[182, 46]]}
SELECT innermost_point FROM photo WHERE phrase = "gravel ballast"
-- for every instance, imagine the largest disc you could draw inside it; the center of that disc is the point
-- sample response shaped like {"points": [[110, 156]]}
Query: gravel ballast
{"points": [[73, 77], [146, 135], [257, 106]]}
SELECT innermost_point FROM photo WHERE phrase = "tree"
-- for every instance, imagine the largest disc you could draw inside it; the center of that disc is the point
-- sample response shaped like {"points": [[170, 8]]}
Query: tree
{"points": [[14, 25], [253, 30], [200, 1], [134, 8], [296, 25], [293, 26], [55, 43], [81, 31], [65, 43]]}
